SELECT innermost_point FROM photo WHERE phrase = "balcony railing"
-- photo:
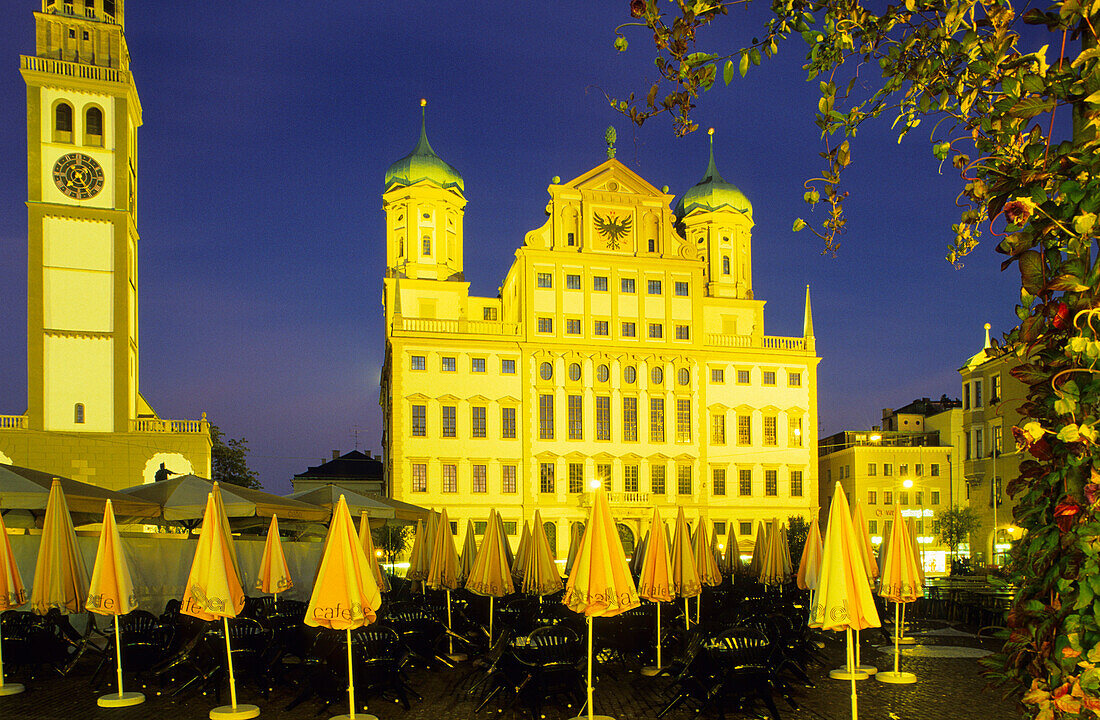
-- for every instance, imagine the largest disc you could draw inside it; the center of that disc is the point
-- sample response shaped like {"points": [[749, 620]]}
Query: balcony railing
{"points": [[153, 425], [769, 342], [71, 69], [619, 498], [432, 325], [13, 422]]}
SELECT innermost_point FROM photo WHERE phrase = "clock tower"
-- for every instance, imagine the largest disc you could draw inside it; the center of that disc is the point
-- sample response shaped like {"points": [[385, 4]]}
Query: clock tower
{"points": [[83, 113]]}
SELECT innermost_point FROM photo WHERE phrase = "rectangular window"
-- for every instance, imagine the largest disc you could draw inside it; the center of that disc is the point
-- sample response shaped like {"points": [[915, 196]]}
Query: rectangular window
{"points": [[718, 429], [630, 419], [796, 483], [546, 417], [654, 287], [488, 313], [966, 396], [572, 327], [683, 420], [794, 432], [507, 478], [545, 280], [448, 421], [419, 421], [419, 477], [744, 528], [681, 289], [978, 394], [627, 285], [771, 483], [508, 423], [934, 469], [996, 440], [887, 497], [478, 482], [419, 362], [601, 328], [794, 379], [448, 364], [887, 470], [572, 282], [683, 479], [477, 365], [630, 478], [770, 430], [507, 367], [903, 498], [743, 377], [628, 329], [872, 469], [683, 332], [718, 481], [887, 526], [576, 478], [935, 497], [719, 528], [576, 418], [599, 283], [657, 479], [426, 245], [920, 498], [546, 325], [477, 422], [872, 527], [903, 469], [994, 388], [744, 430], [979, 436], [570, 239], [479, 527], [510, 527], [603, 417], [717, 375], [744, 482], [603, 474], [546, 477], [450, 478], [919, 470], [656, 330], [872, 497], [657, 420], [769, 377]]}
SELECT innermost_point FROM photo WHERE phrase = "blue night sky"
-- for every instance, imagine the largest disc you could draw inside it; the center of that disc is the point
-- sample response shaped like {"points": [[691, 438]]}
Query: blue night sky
{"points": [[266, 138]]}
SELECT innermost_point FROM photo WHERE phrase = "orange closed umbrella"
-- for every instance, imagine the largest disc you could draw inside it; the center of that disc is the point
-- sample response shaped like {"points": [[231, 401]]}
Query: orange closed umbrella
{"points": [[576, 532], [520, 560], [490, 574], [60, 577], [274, 576], [732, 559], [420, 554], [443, 567], [112, 593], [12, 595], [367, 541], [866, 550], [685, 576], [759, 547], [901, 583], [540, 574], [843, 599], [600, 585], [705, 565], [469, 552], [809, 566], [345, 595], [655, 579]]}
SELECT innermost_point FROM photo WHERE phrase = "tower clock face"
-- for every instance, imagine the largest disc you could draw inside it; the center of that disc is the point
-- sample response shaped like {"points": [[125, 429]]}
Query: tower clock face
{"points": [[78, 176]]}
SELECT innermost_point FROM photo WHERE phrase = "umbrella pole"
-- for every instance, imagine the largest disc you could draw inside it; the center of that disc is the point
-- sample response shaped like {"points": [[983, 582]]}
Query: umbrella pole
{"points": [[118, 654], [897, 631], [658, 635], [490, 620], [687, 616], [450, 637], [698, 607], [351, 681], [229, 662], [856, 666], [851, 660], [589, 698]]}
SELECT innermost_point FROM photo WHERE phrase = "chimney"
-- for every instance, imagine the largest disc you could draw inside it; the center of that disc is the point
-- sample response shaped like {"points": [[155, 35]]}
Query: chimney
{"points": [[335, 454]]}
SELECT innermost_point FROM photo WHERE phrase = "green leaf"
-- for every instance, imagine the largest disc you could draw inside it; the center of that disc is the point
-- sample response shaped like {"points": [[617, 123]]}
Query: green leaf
{"points": [[744, 64], [1031, 106], [1031, 271], [727, 72], [1084, 223], [755, 56]]}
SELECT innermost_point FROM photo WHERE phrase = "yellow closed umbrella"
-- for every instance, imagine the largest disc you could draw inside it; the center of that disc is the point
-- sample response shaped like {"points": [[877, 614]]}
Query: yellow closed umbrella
{"points": [[112, 593], [685, 575], [420, 555], [785, 550], [469, 552], [655, 578], [443, 567], [223, 522], [345, 595], [732, 559], [600, 585], [60, 577], [759, 547], [504, 538], [367, 541], [911, 527], [870, 564], [274, 575], [490, 575], [576, 532], [638, 556], [214, 590], [520, 560], [843, 599], [12, 595], [809, 566], [901, 583], [705, 565], [540, 573]]}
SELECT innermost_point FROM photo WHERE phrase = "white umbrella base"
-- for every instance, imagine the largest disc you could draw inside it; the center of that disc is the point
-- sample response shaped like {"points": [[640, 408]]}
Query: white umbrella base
{"points": [[650, 671], [11, 689], [125, 699], [228, 712], [843, 674], [358, 716], [869, 669], [896, 678], [907, 641]]}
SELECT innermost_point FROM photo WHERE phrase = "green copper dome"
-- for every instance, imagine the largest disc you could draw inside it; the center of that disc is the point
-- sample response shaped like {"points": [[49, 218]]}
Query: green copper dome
{"points": [[423, 164], [713, 193]]}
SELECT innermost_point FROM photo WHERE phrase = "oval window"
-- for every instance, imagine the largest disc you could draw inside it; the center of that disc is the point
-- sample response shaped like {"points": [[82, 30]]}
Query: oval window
{"points": [[546, 371], [657, 376], [684, 376], [630, 374], [574, 372], [602, 373]]}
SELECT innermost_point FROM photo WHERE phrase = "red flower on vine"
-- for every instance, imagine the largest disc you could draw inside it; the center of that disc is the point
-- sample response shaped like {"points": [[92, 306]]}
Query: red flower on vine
{"points": [[637, 7], [1065, 514], [1018, 211], [1061, 315], [1041, 450], [1092, 493]]}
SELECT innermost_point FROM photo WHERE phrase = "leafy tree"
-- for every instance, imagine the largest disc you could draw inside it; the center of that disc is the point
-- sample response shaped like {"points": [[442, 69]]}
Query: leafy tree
{"points": [[1011, 95], [954, 525], [393, 539], [229, 460], [797, 532]]}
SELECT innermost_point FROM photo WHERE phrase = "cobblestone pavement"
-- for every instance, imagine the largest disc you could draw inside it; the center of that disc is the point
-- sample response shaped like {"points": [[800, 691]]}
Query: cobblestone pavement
{"points": [[947, 687]]}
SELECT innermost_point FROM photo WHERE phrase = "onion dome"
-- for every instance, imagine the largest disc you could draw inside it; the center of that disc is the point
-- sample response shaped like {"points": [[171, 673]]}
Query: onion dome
{"points": [[422, 164], [713, 193]]}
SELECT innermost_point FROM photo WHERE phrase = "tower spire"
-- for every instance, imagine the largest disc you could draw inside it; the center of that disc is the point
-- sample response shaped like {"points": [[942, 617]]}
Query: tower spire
{"points": [[808, 318]]}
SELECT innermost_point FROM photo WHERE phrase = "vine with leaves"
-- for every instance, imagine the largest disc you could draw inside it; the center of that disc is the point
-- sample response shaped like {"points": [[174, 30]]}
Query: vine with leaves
{"points": [[1011, 97]]}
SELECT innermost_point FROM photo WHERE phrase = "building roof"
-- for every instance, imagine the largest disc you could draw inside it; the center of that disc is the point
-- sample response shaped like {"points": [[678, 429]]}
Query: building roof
{"points": [[927, 407], [423, 165], [349, 466], [713, 193]]}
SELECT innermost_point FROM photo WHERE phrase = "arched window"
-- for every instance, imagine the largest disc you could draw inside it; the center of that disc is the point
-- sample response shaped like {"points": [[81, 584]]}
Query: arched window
{"points": [[63, 118], [78, 413], [726, 265], [93, 121]]}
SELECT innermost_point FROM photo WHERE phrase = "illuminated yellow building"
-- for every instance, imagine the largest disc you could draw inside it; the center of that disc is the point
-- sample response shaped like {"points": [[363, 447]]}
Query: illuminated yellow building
{"points": [[86, 418], [625, 346]]}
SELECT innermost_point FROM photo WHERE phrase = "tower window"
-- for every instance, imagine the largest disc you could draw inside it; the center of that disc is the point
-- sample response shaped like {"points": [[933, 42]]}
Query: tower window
{"points": [[78, 413], [72, 34], [652, 245], [85, 34], [726, 265], [427, 249], [93, 122], [63, 118]]}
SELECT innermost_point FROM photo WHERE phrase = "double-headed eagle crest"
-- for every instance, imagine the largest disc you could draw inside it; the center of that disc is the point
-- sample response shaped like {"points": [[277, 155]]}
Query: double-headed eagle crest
{"points": [[614, 229]]}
